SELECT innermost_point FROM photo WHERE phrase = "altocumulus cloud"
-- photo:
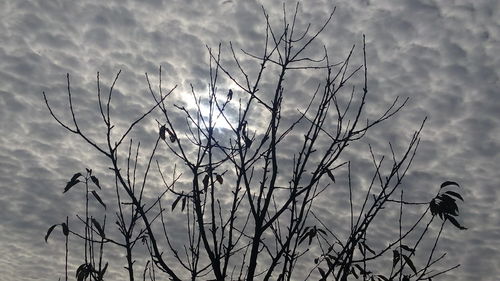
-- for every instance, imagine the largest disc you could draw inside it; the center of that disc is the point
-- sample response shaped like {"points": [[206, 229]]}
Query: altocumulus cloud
{"points": [[441, 54]]}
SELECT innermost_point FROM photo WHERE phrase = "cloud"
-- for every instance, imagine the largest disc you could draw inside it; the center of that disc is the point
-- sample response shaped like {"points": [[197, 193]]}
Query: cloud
{"points": [[442, 56]]}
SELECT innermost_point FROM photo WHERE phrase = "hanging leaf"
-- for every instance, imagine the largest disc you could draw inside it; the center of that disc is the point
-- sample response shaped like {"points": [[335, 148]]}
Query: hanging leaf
{"points": [[101, 273], [65, 229], [410, 263], [95, 181], [83, 272], [404, 247], [454, 222], [304, 236], [452, 193], [360, 247], [368, 248], [312, 234], [330, 175], [162, 132], [448, 183], [70, 184], [171, 135], [98, 198], [219, 179], [353, 271], [183, 203], [322, 272], [176, 201], [330, 263], [75, 176], [382, 277], [205, 182], [99, 228], [49, 231], [248, 141], [395, 258]]}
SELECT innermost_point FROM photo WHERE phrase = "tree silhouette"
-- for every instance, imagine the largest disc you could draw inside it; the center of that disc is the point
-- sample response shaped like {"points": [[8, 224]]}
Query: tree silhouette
{"points": [[253, 191]]}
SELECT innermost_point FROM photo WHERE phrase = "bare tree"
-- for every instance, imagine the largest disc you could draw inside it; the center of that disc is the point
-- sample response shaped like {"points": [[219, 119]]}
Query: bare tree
{"points": [[251, 209]]}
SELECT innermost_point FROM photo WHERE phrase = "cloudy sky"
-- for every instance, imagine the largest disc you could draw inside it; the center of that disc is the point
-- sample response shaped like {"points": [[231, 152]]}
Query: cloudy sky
{"points": [[443, 55]]}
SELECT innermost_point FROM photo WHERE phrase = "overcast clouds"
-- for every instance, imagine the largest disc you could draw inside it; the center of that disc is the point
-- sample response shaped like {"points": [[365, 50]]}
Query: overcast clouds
{"points": [[444, 55]]}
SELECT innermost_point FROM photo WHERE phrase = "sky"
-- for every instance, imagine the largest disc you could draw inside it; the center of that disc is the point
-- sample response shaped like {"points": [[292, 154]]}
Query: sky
{"points": [[443, 55]]}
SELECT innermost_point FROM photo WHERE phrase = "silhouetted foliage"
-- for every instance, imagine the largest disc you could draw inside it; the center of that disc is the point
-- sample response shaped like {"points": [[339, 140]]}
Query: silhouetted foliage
{"points": [[251, 209]]}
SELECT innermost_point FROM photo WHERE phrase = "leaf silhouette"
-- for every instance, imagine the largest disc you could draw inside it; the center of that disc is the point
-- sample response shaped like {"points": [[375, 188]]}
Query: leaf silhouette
{"points": [[98, 198], [162, 132], [382, 277], [330, 175], [176, 201], [98, 227], [368, 248], [183, 203], [70, 184], [354, 273], [205, 182], [395, 258], [171, 135], [65, 229], [452, 193], [219, 179], [448, 183], [50, 231], [83, 272], [404, 247], [454, 222], [322, 272], [95, 181], [410, 263], [75, 176]]}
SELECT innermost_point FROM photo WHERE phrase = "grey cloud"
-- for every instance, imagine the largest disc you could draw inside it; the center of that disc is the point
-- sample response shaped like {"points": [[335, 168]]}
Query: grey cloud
{"points": [[442, 56]]}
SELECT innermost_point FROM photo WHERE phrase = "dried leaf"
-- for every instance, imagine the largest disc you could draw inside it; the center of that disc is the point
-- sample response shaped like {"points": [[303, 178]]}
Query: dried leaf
{"points": [[50, 231], [98, 198]]}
